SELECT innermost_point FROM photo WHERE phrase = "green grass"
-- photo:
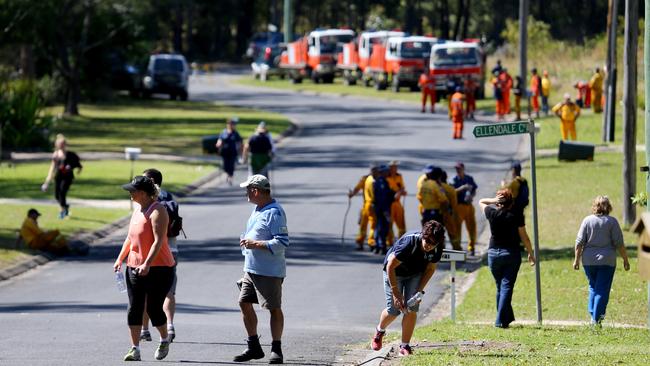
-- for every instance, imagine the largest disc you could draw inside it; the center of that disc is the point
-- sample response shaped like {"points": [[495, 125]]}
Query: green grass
{"points": [[82, 219], [157, 126], [531, 345], [98, 180]]}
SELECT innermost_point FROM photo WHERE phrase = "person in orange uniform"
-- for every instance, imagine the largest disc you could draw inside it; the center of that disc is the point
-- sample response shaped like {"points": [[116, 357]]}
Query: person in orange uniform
{"points": [[568, 112], [427, 84], [596, 86], [364, 214], [497, 86], [535, 90], [506, 85], [368, 199], [450, 215], [396, 184], [581, 94], [470, 97], [457, 113]]}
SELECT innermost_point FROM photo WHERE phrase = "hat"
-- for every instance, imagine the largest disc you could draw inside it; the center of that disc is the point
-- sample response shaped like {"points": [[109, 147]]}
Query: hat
{"points": [[516, 165], [32, 211], [262, 127], [428, 169], [257, 181], [393, 163], [233, 120], [140, 183], [383, 168], [459, 165]]}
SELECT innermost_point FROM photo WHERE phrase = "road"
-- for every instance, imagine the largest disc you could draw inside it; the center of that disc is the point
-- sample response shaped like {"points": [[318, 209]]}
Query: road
{"points": [[68, 312]]}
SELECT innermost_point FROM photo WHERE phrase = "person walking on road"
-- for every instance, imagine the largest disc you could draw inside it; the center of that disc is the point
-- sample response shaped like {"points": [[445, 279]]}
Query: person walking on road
{"points": [[366, 216], [457, 113], [382, 203], [599, 238], [465, 192], [427, 84], [263, 245], [535, 90], [260, 149], [508, 230], [568, 112], [150, 265], [470, 97], [169, 306], [546, 92], [396, 183], [596, 87], [408, 267], [229, 146], [62, 168]]}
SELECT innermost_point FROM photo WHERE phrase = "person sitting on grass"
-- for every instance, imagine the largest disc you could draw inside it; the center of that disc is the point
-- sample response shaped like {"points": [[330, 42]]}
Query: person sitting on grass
{"points": [[36, 238]]}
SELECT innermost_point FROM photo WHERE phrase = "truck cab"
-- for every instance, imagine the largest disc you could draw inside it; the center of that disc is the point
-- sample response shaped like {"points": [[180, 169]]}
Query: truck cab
{"points": [[453, 62], [405, 60], [356, 55]]}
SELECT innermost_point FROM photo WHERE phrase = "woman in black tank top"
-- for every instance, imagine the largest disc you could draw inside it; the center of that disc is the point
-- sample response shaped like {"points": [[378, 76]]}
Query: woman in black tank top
{"points": [[62, 170]]}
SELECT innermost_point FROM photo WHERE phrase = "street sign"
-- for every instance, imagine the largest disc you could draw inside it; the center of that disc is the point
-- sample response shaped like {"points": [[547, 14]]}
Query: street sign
{"points": [[500, 129]]}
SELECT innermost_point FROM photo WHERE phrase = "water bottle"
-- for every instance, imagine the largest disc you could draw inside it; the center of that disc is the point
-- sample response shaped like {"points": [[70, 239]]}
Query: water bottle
{"points": [[120, 281], [415, 300]]}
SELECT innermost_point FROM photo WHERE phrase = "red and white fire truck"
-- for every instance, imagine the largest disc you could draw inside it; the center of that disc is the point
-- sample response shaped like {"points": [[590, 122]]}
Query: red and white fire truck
{"points": [[314, 56], [355, 57], [452, 62], [400, 62]]}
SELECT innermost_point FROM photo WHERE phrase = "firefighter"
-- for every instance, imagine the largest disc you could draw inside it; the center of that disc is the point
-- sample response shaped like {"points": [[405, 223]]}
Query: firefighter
{"points": [[506, 85], [431, 195], [450, 214], [568, 112], [581, 94], [456, 106], [465, 192], [470, 97], [368, 198], [427, 84], [535, 90], [546, 91], [364, 214], [396, 183], [498, 96], [596, 86], [451, 88]]}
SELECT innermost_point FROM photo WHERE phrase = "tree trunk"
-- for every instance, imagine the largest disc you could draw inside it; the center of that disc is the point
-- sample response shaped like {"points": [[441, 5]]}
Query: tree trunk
{"points": [[443, 11], [189, 42], [609, 115], [177, 27], [465, 26], [409, 17], [244, 26], [459, 19], [27, 61], [629, 109], [72, 95]]}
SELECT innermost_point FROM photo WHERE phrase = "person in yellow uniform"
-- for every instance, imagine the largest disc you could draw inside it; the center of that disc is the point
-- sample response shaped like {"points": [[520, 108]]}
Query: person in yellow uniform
{"points": [[368, 199], [396, 183], [364, 214], [546, 91], [450, 215], [431, 195], [568, 112], [596, 86], [50, 241]]}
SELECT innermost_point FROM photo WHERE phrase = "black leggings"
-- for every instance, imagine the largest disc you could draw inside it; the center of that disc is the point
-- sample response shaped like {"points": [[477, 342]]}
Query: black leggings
{"points": [[153, 287], [61, 187]]}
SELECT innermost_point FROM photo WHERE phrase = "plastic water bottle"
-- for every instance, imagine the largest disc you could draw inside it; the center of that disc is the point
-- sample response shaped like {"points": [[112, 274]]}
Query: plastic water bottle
{"points": [[415, 300], [120, 281]]}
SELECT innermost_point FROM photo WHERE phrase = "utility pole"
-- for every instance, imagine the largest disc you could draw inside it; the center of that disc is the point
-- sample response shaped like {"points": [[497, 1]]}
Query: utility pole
{"points": [[609, 117], [523, 41], [288, 33], [629, 109], [646, 69]]}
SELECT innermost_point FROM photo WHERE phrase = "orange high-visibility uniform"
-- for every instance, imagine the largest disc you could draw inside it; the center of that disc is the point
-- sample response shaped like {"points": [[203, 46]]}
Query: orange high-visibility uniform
{"points": [[427, 85], [497, 89], [535, 89], [506, 85], [456, 106], [470, 97], [368, 198]]}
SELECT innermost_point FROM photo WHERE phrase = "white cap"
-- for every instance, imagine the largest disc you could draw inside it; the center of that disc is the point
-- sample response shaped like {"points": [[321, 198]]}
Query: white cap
{"points": [[257, 181]]}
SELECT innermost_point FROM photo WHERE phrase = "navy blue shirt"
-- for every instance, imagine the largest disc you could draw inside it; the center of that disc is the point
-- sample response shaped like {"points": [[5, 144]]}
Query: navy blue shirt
{"points": [[230, 142], [414, 260], [384, 196], [465, 196]]}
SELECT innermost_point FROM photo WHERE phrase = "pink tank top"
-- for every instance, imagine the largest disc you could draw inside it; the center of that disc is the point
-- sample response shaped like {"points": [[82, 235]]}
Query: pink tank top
{"points": [[141, 239]]}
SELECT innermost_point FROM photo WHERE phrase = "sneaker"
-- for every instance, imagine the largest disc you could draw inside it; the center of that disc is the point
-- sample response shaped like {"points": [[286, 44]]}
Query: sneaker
{"points": [[145, 335], [132, 355], [162, 350], [405, 350], [376, 341], [276, 357], [172, 334], [61, 215]]}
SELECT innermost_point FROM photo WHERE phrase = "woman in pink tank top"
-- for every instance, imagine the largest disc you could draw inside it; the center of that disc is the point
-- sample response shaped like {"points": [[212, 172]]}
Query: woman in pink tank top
{"points": [[149, 273]]}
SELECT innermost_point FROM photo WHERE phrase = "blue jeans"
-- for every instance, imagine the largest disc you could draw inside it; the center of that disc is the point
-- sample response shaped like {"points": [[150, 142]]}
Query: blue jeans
{"points": [[600, 282], [382, 228], [504, 265], [407, 286]]}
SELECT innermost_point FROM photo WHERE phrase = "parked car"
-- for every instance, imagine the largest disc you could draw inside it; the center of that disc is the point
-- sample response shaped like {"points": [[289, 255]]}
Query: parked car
{"points": [[266, 63], [260, 41], [166, 74]]}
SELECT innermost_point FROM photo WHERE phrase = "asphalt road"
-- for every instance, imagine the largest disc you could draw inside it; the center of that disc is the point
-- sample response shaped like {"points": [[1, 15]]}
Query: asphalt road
{"points": [[68, 312]]}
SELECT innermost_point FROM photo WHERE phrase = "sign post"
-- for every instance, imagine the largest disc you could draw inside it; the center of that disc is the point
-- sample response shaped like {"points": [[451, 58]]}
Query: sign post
{"points": [[453, 256], [515, 128], [132, 153]]}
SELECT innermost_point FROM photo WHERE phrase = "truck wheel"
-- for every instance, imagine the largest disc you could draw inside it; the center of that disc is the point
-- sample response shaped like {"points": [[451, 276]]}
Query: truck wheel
{"points": [[184, 96], [415, 88], [365, 82], [328, 79]]}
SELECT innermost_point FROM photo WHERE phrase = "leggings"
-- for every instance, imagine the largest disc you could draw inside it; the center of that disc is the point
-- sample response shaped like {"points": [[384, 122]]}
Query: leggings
{"points": [[61, 187], [153, 287]]}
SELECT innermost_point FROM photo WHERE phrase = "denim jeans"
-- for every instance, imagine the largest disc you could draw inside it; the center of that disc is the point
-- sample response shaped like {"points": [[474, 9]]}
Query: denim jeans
{"points": [[600, 282], [504, 265], [407, 286]]}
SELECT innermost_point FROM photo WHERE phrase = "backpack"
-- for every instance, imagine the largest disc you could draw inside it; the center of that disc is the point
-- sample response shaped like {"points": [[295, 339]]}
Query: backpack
{"points": [[175, 226], [522, 199]]}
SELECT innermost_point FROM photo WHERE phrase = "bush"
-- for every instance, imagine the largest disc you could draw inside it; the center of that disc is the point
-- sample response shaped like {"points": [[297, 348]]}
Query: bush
{"points": [[22, 125]]}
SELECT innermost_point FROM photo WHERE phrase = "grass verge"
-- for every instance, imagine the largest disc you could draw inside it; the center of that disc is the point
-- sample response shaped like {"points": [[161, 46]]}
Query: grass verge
{"points": [[157, 126]]}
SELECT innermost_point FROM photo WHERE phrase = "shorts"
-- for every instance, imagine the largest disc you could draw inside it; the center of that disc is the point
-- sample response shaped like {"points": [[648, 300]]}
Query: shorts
{"points": [[407, 286], [266, 288]]}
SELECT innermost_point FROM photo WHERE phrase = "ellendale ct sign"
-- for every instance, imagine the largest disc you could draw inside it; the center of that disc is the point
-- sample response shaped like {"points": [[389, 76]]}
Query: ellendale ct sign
{"points": [[501, 129]]}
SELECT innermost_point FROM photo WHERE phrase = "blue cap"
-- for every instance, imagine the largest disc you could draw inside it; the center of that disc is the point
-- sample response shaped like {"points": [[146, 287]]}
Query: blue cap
{"points": [[516, 165], [383, 168], [428, 169]]}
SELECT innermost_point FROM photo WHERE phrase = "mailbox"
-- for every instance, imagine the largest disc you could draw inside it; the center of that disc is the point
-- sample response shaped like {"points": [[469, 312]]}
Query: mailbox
{"points": [[132, 153], [572, 151], [453, 255], [642, 228]]}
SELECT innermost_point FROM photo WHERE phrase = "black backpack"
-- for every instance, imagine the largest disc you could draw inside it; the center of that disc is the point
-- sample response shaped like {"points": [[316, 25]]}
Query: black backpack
{"points": [[522, 199], [175, 226]]}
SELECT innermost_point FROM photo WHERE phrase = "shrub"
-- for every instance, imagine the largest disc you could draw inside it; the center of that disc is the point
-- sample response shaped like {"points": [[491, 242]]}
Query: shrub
{"points": [[22, 124]]}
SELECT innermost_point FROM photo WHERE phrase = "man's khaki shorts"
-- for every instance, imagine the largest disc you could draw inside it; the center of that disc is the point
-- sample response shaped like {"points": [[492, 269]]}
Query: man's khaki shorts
{"points": [[267, 289]]}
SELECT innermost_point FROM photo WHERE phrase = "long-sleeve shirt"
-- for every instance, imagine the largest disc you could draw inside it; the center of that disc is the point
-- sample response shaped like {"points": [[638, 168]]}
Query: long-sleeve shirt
{"points": [[268, 223]]}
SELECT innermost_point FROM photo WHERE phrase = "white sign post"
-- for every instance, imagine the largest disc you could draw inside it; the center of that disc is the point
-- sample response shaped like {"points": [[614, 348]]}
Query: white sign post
{"points": [[132, 153], [453, 256]]}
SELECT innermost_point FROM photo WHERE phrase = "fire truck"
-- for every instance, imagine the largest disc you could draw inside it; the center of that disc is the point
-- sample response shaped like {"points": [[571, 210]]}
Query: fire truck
{"points": [[400, 62], [355, 57], [452, 62], [314, 56]]}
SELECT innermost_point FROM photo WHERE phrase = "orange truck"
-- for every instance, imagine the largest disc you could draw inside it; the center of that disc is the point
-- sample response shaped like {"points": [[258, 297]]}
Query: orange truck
{"points": [[355, 56], [314, 56], [452, 62], [399, 62]]}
